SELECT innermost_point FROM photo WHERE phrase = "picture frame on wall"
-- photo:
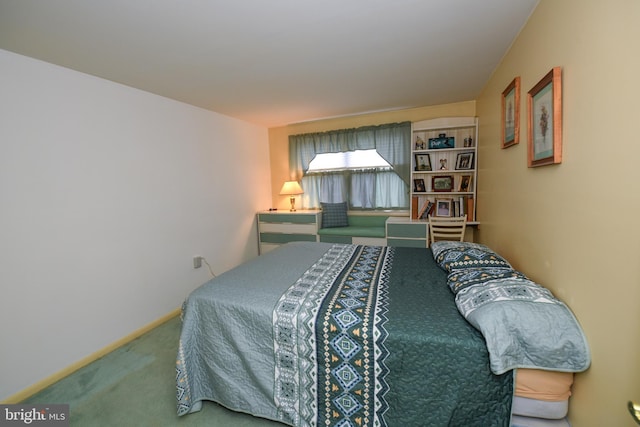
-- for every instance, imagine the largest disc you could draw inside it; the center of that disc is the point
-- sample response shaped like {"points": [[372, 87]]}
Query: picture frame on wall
{"points": [[443, 207], [442, 183], [511, 114], [464, 161], [544, 102], [423, 162]]}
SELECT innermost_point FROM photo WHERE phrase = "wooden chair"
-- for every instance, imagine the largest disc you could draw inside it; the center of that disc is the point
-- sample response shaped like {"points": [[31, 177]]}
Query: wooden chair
{"points": [[447, 228]]}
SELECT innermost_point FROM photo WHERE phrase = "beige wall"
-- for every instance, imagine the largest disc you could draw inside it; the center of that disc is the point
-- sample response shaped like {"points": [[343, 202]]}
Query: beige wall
{"points": [[279, 137], [573, 227], [548, 220]]}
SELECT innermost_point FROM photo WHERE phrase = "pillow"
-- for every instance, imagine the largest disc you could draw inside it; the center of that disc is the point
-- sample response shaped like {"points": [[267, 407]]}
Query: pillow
{"points": [[525, 326], [462, 279], [452, 256], [334, 215], [551, 386]]}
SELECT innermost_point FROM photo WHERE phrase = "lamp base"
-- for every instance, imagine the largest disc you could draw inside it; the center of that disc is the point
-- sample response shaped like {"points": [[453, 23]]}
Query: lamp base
{"points": [[293, 204]]}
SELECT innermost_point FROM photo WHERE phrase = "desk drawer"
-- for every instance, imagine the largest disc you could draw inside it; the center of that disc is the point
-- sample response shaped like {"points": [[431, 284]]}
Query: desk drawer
{"points": [[407, 243], [371, 241], [413, 231], [280, 238], [294, 218], [269, 227]]}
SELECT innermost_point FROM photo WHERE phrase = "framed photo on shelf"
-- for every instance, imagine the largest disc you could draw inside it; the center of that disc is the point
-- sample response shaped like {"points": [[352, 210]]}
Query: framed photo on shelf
{"points": [[443, 207], [418, 185], [442, 183], [544, 101], [464, 161], [465, 183], [511, 114], [423, 162]]}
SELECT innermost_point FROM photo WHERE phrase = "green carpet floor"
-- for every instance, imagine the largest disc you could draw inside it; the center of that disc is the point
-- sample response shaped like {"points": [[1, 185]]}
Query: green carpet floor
{"points": [[135, 386]]}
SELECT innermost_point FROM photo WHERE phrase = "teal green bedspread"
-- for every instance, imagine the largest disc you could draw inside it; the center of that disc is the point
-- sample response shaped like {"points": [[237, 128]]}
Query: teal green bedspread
{"points": [[439, 370], [321, 334]]}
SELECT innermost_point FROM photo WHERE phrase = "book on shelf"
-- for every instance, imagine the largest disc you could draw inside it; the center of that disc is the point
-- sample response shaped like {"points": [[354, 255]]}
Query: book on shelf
{"points": [[455, 208], [470, 209], [414, 207], [462, 206], [426, 209]]}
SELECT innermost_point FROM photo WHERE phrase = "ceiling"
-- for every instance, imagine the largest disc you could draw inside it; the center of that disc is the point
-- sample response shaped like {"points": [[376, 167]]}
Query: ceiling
{"points": [[275, 62]]}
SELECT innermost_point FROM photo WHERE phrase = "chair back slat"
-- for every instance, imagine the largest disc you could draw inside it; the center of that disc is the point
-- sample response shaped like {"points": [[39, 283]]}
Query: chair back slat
{"points": [[447, 228]]}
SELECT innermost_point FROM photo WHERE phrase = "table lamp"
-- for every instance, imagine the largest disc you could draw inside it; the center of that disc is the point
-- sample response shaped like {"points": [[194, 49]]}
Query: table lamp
{"points": [[291, 188], [634, 409]]}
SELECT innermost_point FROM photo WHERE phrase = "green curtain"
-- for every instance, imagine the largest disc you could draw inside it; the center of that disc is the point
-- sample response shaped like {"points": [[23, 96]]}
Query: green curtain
{"points": [[392, 141]]}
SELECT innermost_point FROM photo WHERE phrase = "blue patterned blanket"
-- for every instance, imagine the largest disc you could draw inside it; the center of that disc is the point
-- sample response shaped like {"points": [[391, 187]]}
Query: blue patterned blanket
{"points": [[364, 336], [524, 325]]}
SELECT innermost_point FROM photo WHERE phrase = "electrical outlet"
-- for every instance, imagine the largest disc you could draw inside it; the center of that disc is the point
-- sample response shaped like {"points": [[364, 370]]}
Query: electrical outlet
{"points": [[197, 261]]}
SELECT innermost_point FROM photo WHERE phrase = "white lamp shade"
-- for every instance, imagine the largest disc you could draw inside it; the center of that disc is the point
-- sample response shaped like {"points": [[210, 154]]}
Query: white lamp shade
{"points": [[291, 188]]}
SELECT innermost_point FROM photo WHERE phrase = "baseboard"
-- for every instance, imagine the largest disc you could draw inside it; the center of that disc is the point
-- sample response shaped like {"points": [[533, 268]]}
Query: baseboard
{"points": [[41, 385]]}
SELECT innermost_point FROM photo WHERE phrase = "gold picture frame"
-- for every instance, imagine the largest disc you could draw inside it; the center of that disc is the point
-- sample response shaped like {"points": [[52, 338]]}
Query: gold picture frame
{"points": [[544, 103], [511, 114]]}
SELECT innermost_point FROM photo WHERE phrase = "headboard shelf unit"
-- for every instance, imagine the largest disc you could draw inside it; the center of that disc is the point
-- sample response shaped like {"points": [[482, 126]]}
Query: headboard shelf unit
{"points": [[444, 166]]}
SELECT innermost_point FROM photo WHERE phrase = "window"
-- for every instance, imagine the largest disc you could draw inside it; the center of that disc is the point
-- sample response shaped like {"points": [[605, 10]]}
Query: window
{"points": [[358, 159], [361, 177], [367, 167]]}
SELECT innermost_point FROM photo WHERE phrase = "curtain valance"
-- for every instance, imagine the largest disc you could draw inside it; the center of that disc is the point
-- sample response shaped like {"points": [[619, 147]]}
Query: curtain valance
{"points": [[392, 141]]}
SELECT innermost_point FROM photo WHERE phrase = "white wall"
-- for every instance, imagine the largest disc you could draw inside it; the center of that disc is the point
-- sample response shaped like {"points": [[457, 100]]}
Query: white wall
{"points": [[106, 193]]}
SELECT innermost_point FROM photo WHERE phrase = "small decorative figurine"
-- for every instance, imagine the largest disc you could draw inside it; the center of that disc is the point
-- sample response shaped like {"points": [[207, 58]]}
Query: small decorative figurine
{"points": [[443, 164], [468, 142]]}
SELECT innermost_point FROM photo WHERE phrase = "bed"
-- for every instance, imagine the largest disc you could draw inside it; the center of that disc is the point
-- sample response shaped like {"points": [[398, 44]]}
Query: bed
{"points": [[317, 334]]}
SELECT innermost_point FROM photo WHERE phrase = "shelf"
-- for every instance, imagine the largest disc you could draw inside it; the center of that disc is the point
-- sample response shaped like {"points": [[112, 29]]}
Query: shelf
{"points": [[445, 172], [442, 193], [445, 123], [459, 136], [436, 150]]}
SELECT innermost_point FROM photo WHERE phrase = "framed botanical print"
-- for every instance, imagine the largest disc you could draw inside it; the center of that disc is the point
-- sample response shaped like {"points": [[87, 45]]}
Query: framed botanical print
{"points": [[511, 114], [544, 103]]}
